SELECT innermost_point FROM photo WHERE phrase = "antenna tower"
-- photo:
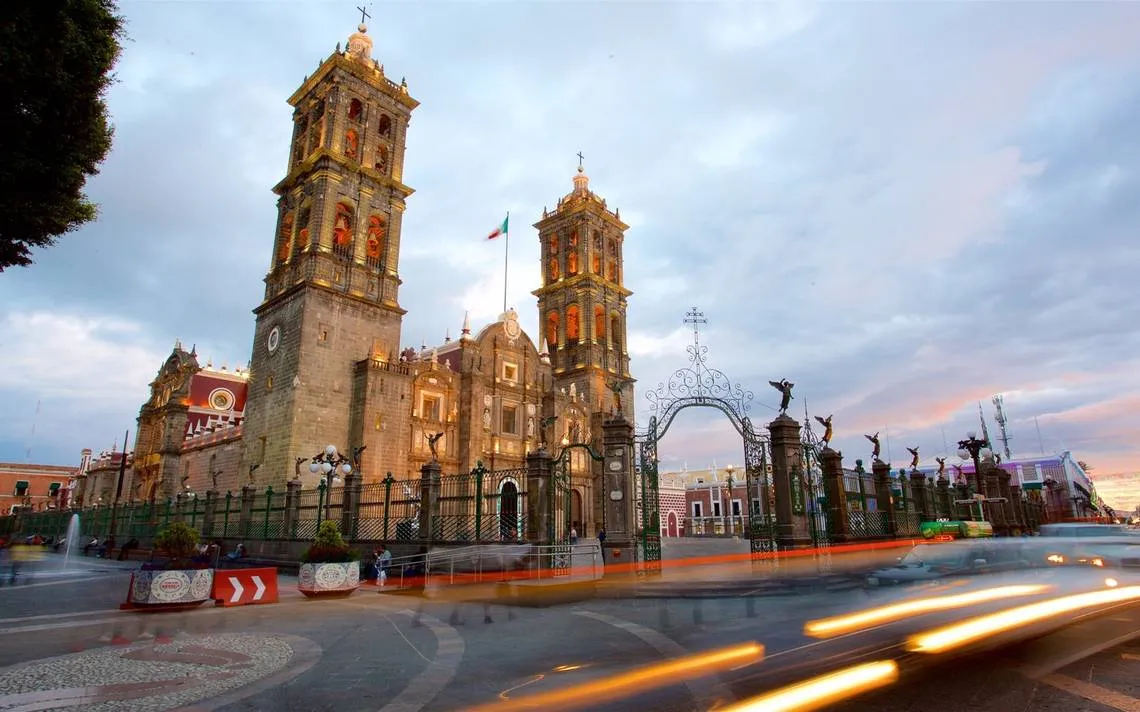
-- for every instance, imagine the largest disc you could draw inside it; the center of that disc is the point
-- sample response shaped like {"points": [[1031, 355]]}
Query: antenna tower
{"points": [[999, 416]]}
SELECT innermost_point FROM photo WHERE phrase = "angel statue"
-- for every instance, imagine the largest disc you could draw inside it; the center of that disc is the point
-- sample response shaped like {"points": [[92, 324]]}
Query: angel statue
{"points": [[826, 423], [913, 457], [356, 452], [297, 467], [941, 467], [957, 473], [617, 387], [784, 386], [433, 445], [545, 424], [874, 441]]}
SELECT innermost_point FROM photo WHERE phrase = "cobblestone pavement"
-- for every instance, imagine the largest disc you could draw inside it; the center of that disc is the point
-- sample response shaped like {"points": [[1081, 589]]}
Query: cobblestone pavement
{"points": [[65, 645]]}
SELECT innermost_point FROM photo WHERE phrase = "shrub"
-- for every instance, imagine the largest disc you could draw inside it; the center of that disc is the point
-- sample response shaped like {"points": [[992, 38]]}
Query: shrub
{"points": [[329, 547], [180, 543]]}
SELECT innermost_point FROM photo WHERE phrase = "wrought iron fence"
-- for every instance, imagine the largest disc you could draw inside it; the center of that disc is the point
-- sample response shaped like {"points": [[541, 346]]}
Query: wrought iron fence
{"points": [[869, 525]]}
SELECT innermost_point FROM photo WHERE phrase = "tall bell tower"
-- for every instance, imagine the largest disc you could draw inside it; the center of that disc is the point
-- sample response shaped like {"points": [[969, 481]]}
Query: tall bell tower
{"points": [[332, 291], [583, 301]]}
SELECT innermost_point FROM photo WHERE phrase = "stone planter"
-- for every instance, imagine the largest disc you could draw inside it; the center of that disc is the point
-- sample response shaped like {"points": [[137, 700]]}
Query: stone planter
{"points": [[182, 588], [329, 580]]}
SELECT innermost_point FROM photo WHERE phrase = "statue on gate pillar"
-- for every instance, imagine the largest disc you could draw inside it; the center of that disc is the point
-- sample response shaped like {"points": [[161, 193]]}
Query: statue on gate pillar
{"points": [[784, 386]]}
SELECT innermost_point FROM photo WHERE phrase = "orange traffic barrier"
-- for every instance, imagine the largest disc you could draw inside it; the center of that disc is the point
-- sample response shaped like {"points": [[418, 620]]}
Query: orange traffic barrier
{"points": [[244, 587]]}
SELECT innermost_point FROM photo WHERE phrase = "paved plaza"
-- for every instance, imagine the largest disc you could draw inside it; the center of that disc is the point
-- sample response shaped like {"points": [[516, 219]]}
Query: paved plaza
{"points": [[64, 644]]}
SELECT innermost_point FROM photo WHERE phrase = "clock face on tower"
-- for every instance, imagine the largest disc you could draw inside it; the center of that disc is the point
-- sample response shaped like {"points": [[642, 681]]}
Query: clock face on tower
{"points": [[274, 339]]}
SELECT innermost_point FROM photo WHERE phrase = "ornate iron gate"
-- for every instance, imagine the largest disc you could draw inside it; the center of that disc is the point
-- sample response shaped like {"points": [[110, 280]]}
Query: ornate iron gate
{"points": [[811, 498], [697, 385]]}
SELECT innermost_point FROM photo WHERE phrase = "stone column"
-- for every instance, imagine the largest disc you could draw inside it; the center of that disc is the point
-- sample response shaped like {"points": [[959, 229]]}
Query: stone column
{"points": [[946, 501], [922, 499], [619, 490], [838, 518], [538, 484], [429, 502], [245, 518], [350, 508], [787, 459], [292, 507], [882, 474]]}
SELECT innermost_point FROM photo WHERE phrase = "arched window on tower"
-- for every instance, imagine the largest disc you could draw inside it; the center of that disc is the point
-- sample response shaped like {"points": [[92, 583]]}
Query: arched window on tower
{"points": [[285, 238], [615, 331], [573, 324], [385, 126], [355, 110], [351, 144], [572, 262], [596, 254], [316, 127], [342, 231], [552, 322], [611, 263], [599, 323], [553, 272], [374, 248], [302, 241], [382, 160]]}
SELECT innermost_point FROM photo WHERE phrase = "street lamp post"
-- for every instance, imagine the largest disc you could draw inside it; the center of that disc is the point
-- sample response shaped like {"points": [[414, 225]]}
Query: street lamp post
{"points": [[328, 464], [728, 504], [977, 450]]}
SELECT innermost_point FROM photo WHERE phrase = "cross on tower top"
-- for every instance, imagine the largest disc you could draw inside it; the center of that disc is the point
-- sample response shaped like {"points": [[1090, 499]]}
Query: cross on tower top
{"points": [[696, 318], [363, 15], [580, 159]]}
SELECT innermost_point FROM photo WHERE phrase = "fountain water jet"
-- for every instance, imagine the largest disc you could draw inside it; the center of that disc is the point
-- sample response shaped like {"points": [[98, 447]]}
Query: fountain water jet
{"points": [[71, 539]]}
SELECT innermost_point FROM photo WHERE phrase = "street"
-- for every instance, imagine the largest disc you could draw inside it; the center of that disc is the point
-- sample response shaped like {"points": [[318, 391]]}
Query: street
{"points": [[65, 644]]}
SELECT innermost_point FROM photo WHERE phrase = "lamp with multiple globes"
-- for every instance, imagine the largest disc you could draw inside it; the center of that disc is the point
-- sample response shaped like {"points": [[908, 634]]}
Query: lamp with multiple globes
{"points": [[974, 449], [330, 464]]}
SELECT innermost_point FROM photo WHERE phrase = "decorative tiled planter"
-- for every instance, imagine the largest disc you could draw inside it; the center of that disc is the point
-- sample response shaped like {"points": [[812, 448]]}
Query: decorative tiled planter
{"points": [[179, 588], [329, 580]]}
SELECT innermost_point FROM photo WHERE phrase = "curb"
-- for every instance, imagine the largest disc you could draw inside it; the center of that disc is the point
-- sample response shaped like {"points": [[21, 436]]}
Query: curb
{"points": [[735, 589]]}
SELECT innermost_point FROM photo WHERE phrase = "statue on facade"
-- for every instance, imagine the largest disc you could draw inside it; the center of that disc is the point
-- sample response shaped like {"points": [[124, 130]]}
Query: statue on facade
{"points": [[875, 442], [784, 386], [941, 467], [913, 457], [433, 444], [826, 423]]}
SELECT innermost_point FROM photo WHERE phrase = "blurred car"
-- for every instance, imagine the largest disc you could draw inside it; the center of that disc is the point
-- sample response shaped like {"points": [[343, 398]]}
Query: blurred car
{"points": [[926, 562]]}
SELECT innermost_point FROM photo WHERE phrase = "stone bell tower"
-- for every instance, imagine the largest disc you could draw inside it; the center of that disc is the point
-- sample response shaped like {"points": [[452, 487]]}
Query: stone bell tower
{"points": [[332, 291], [583, 300]]}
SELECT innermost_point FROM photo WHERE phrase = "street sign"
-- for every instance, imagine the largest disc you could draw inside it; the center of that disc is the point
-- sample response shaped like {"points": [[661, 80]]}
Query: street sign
{"points": [[245, 587]]}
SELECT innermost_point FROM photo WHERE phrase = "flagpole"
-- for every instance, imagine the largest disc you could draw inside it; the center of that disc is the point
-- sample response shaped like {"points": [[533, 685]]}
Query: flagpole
{"points": [[506, 261]]}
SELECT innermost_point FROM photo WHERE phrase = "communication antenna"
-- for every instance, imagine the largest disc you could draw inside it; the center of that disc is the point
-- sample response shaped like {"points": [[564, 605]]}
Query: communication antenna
{"points": [[1040, 442], [999, 416]]}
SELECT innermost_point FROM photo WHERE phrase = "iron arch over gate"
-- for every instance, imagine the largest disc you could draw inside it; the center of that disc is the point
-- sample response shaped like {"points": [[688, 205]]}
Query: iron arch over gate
{"points": [[698, 385]]}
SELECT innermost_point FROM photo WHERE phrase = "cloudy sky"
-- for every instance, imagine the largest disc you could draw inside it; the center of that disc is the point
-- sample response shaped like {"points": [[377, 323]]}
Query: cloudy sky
{"points": [[904, 208]]}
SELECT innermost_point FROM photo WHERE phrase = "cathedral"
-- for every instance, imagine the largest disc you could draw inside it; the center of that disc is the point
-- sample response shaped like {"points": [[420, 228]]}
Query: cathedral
{"points": [[328, 365]]}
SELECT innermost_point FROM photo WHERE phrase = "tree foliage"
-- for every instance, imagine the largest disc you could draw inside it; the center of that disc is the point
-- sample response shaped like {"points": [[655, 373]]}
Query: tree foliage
{"points": [[56, 59]]}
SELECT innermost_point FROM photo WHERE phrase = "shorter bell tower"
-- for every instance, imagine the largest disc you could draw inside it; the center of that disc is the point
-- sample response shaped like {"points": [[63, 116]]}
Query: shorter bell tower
{"points": [[582, 302]]}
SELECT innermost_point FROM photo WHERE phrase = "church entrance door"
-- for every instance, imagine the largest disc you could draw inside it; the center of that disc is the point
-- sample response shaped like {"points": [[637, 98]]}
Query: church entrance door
{"points": [[508, 511]]}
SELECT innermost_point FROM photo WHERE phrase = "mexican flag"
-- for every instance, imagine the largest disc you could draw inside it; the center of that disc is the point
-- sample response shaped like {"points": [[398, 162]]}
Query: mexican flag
{"points": [[500, 230]]}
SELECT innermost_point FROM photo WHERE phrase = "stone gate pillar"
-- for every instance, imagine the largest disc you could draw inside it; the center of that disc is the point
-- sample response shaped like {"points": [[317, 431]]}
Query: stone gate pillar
{"points": [[945, 499], [619, 489], [923, 502], [838, 518], [429, 502], [882, 474], [787, 464], [350, 505], [292, 508], [538, 484]]}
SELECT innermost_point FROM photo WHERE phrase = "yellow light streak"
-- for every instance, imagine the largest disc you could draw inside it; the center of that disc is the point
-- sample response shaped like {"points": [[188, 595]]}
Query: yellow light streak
{"points": [[837, 625], [824, 690], [635, 681], [974, 629]]}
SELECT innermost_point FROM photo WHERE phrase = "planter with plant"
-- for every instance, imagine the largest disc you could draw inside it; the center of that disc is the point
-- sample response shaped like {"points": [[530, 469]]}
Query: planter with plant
{"points": [[177, 580], [329, 567]]}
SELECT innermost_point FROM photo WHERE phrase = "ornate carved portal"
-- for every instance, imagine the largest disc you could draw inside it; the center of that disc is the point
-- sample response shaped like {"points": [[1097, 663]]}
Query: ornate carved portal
{"points": [[698, 385]]}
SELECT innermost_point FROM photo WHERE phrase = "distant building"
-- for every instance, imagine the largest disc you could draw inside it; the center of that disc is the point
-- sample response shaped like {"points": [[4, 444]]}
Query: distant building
{"points": [[33, 487]]}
